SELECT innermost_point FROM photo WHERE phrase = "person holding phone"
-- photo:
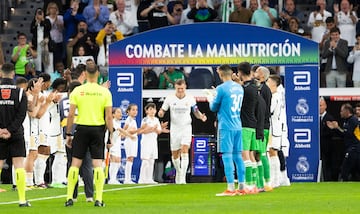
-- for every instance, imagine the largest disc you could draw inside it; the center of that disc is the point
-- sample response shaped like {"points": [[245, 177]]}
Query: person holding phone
{"points": [[317, 19]]}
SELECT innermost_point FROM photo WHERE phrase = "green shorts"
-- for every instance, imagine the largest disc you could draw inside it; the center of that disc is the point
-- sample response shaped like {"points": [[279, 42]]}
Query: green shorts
{"points": [[249, 139]]}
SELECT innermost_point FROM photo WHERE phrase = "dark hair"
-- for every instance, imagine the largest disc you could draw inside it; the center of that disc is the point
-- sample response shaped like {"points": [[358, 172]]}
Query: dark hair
{"points": [[150, 105], [335, 30], [330, 20], [77, 71], [20, 80], [226, 69], [348, 106], [46, 77], [129, 107], [73, 85], [31, 83], [8, 68], [57, 82], [21, 34], [276, 79], [114, 110], [244, 68], [91, 68]]}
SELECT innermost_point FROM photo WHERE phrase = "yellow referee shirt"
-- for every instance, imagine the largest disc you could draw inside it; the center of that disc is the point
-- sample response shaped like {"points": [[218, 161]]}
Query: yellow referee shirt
{"points": [[91, 100]]}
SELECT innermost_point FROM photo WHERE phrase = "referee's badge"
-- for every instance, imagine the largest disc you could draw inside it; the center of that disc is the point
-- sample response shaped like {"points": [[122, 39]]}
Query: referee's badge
{"points": [[5, 93]]}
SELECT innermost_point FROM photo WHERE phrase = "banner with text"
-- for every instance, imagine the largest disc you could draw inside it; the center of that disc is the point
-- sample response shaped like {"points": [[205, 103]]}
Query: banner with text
{"points": [[213, 44]]}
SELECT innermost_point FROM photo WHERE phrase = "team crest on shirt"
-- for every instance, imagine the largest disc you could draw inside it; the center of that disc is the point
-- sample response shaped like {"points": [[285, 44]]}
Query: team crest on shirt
{"points": [[82, 93], [5, 94]]}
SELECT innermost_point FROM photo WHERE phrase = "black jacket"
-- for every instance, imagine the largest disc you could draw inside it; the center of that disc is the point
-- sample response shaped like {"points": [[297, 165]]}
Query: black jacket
{"points": [[13, 107]]}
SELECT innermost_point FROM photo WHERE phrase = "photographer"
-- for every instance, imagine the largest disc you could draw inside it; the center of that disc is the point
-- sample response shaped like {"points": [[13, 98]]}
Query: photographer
{"points": [[104, 38], [83, 38], [156, 12], [168, 78], [202, 12], [21, 54], [40, 29], [317, 20]]}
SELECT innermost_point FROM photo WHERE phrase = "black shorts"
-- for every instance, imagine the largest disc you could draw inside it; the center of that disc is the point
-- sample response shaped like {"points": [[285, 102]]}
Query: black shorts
{"points": [[88, 137], [13, 147]]}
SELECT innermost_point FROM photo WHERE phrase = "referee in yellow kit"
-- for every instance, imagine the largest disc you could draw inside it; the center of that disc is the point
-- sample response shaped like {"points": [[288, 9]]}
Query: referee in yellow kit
{"points": [[92, 101]]}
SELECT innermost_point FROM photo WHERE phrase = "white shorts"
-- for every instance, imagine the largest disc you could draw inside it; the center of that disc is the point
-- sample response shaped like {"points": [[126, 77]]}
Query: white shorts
{"points": [[275, 142], [57, 144], [33, 143], [180, 137], [149, 150], [131, 148], [115, 150]]}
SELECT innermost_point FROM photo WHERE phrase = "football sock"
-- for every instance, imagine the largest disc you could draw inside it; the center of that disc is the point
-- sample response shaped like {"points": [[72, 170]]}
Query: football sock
{"points": [[266, 166], [73, 176], [20, 184], [99, 179], [228, 167], [184, 163], [260, 175], [248, 172], [240, 168]]}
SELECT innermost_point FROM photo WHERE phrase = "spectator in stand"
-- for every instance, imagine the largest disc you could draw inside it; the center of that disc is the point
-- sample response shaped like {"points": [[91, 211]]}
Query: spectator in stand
{"points": [[104, 38], [168, 78], [175, 11], [184, 19], [123, 19], [317, 19], [96, 16], [85, 39], [336, 52], [346, 20], [264, 16], [156, 12], [56, 33], [151, 80], [294, 26], [21, 54], [354, 58], [72, 17], [330, 23], [288, 12], [40, 30], [202, 12], [254, 5], [241, 14]]}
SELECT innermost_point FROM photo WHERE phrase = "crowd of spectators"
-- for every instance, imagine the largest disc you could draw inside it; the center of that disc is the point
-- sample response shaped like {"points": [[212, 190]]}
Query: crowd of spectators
{"points": [[85, 28]]}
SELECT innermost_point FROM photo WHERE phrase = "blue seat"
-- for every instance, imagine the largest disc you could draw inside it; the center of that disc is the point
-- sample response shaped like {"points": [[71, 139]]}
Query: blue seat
{"points": [[200, 78]]}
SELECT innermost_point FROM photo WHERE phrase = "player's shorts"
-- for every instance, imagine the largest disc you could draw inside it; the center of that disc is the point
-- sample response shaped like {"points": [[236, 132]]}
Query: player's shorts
{"points": [[180, 137], [89, 137], [275, 142], [56, 143], [131, 147], [149, 150], [33, 143], [13, 147], [43, 139], [249, 139], [115, 150], [229, 141]]}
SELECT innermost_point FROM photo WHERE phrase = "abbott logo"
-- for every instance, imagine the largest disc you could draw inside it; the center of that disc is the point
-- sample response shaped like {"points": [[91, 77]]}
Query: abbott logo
{"points": [[200, 144], [302, 78], [302, 135], [125, 79]]}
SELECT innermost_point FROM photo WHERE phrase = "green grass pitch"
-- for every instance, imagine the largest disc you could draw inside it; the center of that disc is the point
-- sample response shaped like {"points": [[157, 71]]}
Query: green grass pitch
{"points": [[194, 198]]}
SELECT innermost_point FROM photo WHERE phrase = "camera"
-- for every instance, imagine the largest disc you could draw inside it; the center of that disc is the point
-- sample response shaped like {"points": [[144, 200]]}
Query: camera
{"points": [[82, 30], [39, 12], [317, 8], [160, 4]]}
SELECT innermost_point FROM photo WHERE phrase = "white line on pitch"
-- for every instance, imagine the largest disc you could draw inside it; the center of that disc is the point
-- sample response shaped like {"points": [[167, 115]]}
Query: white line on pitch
{"points": [[63, 196]]}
